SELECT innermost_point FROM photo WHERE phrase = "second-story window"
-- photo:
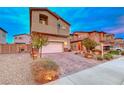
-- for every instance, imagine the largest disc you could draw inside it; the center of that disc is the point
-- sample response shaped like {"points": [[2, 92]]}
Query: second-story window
{"points": [[15, 37], [0, 35], [3, 35], [58, 26], [43, 19], [63, 28], [97, 35], [20, 37]]}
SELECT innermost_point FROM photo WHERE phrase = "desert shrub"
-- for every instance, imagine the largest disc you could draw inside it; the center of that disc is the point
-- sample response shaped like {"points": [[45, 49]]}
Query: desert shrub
{"points": [[108, 56], [122, 53], [99, 58], [45, 70], [76, 53], [88, 55], [69, 50], [97, 51], [114, 52]]}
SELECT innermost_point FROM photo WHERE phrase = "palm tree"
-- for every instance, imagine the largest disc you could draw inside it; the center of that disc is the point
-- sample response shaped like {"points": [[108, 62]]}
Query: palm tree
{"points": [[38, 42]]}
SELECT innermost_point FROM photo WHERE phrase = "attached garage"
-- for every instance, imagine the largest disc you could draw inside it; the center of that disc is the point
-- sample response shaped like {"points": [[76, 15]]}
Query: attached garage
{"points": [[53, 47]]}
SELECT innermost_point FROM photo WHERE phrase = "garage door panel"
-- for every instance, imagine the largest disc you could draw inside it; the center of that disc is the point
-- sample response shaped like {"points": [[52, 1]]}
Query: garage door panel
{"points": [[53, 47]]}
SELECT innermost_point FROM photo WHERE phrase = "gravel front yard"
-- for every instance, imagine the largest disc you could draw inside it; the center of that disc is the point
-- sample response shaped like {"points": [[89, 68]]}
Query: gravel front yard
{"points": [[70, 63], [15, 68]]}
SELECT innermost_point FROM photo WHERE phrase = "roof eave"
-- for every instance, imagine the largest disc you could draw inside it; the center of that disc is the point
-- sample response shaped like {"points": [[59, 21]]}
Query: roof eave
{"points": [[54, 14]]}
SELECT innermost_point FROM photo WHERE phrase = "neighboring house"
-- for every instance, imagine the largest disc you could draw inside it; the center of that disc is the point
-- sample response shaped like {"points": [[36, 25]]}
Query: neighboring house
{"points": [[108, 41], [21, 44], [2, 36], [100, 37], [44, 22], [119, 42], [22, 39]]}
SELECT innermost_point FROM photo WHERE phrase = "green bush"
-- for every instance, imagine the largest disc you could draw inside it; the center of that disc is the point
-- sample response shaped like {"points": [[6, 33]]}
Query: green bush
{"points": [[89, 43], [114, 52], [122, 53], [99, 58], [108, 56]]}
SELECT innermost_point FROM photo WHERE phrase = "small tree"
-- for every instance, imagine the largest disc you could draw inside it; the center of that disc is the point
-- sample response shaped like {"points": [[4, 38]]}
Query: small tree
{"points": [[38, 42], [89, 44]]}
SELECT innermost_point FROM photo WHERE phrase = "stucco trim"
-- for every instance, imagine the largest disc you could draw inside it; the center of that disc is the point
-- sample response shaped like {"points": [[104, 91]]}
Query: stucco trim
{"points": [[34, 32], [75, 41]]}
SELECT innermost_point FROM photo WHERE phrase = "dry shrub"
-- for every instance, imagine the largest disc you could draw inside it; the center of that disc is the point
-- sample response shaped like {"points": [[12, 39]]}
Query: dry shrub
{"points": [[45, 70], [122, 53], [100, 58], [97, 52], [88, 55]]}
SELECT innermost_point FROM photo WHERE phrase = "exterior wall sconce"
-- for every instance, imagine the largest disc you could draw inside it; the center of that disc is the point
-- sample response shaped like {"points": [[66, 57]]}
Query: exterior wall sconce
{"points": [[65, 43]]}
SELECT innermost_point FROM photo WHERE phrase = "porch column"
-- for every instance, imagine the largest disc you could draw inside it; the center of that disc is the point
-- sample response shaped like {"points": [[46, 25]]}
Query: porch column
{"points": [[102, 49]]}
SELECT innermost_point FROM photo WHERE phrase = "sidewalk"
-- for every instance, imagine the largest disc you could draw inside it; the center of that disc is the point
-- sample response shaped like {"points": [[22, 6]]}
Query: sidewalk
{"points": [[110, 73]]}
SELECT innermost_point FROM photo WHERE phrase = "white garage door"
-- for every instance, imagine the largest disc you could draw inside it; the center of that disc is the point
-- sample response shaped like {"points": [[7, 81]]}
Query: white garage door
{"points": [[53, 47]]}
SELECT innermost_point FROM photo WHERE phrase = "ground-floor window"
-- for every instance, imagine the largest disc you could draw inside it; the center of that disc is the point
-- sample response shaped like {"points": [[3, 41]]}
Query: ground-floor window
{"points": [[74, 46], [107, 48]]}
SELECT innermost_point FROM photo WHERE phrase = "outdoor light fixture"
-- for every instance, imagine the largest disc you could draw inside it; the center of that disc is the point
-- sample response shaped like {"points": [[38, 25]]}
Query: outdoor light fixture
{"points": [[65, 43]]}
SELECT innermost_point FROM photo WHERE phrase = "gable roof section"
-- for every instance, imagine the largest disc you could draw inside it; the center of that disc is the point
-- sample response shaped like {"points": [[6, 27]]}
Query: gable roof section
{"points": [[21, 34], [52, 13], [89, 32], [3, 30]]}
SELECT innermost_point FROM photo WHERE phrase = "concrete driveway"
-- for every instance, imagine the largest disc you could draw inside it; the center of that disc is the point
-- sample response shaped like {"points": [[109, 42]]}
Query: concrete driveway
{"points": [[110, 73]]}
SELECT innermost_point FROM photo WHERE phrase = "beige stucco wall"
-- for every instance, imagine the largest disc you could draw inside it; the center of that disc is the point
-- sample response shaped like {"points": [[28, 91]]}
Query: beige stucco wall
{"points": [[74, 46], [51, 28], [94, 36], [0, 48], [64, 29], [82, 35]]}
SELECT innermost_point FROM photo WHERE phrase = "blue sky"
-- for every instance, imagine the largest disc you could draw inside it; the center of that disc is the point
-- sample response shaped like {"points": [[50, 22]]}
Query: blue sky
{"points": [[111, 20]]}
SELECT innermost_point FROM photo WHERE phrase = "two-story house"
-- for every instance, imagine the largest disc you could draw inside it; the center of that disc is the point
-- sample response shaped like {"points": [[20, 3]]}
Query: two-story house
{"points": [[44, 22], [119, 42], [108, 41], [100, 37], [2, 36], [22, 39]]}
